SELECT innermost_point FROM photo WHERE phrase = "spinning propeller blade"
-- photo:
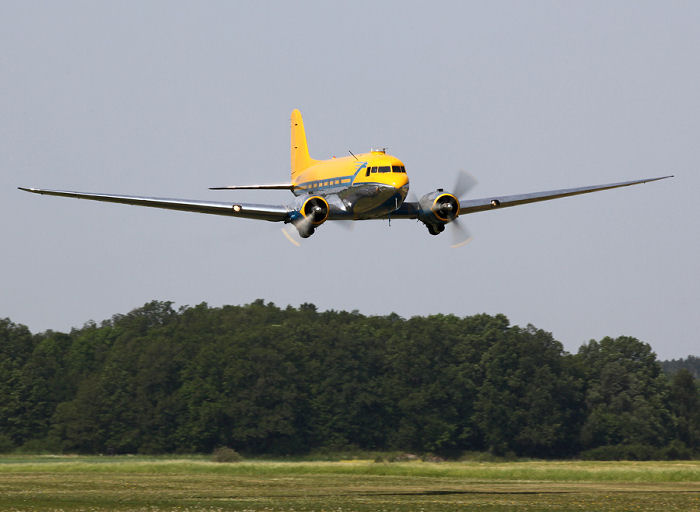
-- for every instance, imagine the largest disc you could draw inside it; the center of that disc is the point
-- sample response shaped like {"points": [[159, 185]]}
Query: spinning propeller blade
{"points": [[460, 234], [291, 234], [464, 183]]}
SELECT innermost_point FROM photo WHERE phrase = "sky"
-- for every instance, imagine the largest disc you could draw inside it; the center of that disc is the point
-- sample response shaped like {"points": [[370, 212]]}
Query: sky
{"points": [[169, 98]]}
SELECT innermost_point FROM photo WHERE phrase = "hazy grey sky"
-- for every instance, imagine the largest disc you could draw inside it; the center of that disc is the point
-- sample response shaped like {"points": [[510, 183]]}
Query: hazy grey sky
{"points": [[169, 98]]}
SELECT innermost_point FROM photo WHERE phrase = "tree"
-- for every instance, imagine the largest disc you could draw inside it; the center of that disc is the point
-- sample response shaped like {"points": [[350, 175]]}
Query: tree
{"points": [[626, 394], [264, 380], [16, 347], [690, 363], [345, 363], [529, 400], [433, 377], [43, 385], [684, 403]]}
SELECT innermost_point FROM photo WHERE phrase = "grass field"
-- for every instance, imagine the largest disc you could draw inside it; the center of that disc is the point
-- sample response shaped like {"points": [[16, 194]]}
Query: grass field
{"points": [[154, 484]]}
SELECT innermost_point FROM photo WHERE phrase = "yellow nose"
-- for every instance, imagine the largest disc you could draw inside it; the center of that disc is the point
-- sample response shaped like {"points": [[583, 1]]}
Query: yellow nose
{"points": [[397, 180]]}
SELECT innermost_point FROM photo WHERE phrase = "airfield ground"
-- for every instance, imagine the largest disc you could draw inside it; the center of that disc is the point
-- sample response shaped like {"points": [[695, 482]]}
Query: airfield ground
{"points": [[154, 484]]}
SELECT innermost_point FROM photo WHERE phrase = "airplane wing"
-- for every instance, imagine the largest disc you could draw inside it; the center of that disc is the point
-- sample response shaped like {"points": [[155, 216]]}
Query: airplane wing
{"points": [[245, 210], [410, 210], [493, 202]]}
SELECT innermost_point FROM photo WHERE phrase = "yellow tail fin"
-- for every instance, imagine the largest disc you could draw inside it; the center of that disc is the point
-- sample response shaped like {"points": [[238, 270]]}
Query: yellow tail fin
{"points": [[300, 149]]}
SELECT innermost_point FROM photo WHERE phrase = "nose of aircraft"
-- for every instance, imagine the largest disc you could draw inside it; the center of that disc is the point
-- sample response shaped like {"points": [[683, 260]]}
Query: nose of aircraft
{"points": [[400, 182]]}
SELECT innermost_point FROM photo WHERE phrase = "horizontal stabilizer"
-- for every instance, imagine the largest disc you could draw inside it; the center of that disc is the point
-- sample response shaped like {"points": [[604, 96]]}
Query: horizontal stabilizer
{"points": [[278, 186]]}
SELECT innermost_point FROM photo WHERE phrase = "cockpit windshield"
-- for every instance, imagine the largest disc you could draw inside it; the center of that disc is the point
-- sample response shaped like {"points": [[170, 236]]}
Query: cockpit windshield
{"points": [[385, 168]]}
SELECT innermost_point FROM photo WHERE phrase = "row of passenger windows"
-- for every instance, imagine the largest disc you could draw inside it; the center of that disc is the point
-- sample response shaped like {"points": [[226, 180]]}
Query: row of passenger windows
{"points": [[385, 168], [324, 183]]}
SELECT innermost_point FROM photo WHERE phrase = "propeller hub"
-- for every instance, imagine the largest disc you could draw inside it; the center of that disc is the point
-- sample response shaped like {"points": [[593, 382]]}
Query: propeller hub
{"points": [[315, 209], [441, 208], [446, 207]]}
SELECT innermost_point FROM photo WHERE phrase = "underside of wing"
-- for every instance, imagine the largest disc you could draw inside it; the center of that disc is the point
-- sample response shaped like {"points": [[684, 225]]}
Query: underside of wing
{"points": [[231, 209], [494, 202], [407, 210]]}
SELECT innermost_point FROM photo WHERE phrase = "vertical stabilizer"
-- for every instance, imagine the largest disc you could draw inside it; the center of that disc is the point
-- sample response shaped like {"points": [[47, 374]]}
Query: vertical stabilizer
{"points": [[300, 149]]}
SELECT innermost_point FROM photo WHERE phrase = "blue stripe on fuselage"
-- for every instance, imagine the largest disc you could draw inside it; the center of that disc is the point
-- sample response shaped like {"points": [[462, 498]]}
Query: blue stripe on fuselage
{"points": [[317, 185]]}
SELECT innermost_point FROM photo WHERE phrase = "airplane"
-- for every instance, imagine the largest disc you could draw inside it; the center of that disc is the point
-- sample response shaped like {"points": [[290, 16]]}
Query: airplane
{"points": [[371, 185]]}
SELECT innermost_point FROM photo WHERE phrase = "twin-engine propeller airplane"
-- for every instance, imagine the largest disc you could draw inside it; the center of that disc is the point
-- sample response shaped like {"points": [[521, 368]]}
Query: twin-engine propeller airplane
{"points": [[371, 185]]}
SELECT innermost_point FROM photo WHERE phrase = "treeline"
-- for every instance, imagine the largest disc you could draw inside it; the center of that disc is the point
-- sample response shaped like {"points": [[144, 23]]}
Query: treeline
{"points": [[690, 363], [265, 380]]}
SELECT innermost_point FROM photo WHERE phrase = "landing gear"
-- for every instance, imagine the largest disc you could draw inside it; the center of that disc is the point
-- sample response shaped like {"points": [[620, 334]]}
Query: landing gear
{"points": [[435, 229]]}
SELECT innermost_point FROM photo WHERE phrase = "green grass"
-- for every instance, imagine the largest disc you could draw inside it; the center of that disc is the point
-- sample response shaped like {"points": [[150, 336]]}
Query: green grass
{"points": [[153, 484]]}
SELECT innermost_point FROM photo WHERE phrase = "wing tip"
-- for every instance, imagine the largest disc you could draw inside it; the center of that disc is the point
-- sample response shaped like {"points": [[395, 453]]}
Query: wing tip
{"points": [[659, 178]]}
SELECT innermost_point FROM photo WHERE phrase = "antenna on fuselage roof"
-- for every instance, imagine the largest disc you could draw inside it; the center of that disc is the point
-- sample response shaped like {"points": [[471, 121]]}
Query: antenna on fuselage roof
{"points": [[353, 154]]}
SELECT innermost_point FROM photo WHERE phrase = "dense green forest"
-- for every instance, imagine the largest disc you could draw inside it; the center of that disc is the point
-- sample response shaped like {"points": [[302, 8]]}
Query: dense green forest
{"points": [[690, 363], [265, 380]]}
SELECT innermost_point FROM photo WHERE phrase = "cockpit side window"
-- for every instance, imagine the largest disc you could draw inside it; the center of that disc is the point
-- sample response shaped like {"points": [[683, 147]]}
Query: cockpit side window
{"points": [[398, 168]]}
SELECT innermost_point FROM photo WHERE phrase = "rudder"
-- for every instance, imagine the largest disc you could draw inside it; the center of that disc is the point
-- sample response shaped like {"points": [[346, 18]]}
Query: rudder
{"points": [[300, 158]]}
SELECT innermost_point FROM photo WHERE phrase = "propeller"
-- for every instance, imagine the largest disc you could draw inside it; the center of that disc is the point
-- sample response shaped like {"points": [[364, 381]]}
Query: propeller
{"points": [[460, 234], [464, 183], [291, 231], [291, 234]]}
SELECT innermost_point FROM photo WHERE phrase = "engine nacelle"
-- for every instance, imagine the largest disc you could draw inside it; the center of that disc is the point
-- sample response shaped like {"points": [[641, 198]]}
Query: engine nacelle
{"points": [[437, 209], [315, 208], [311, 213]]}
